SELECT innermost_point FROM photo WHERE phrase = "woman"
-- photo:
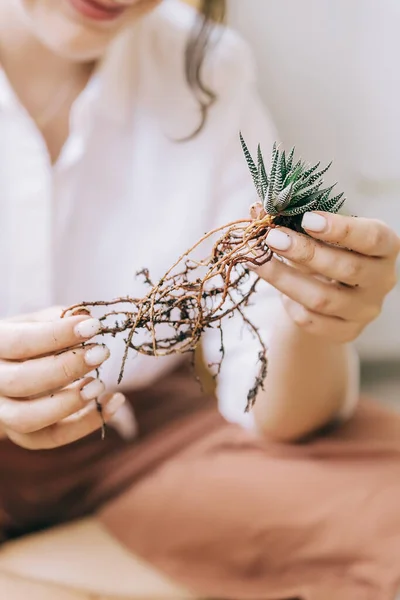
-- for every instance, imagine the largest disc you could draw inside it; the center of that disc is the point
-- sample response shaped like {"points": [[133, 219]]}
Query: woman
{"points": [[118, 150]]}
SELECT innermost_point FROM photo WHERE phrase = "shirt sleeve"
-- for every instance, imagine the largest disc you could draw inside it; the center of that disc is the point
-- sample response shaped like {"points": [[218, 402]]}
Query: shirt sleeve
{"points": [[235, 192]]}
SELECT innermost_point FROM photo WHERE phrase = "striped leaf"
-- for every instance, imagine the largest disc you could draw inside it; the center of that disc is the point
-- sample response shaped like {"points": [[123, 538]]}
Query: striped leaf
{"points": [[289, 161], [262, 173], [284, 198], [274, 167], [250, 162], [290, 188]]}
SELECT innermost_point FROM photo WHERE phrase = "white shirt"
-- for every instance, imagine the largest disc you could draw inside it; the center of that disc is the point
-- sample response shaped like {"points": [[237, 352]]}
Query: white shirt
{"points": [[124, 195]]}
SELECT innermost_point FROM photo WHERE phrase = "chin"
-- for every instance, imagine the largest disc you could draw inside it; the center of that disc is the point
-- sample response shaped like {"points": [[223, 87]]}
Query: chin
{"points": [[60, 30], [77, 46]]}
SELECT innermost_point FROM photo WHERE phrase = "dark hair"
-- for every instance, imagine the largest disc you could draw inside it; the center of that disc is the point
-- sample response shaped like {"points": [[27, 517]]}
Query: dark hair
{"points": [[211, 12]]}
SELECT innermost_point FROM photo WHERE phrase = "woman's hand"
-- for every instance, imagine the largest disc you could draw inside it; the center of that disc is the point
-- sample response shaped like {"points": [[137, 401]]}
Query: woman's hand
{"points": [[46, 398], [336, 280]]}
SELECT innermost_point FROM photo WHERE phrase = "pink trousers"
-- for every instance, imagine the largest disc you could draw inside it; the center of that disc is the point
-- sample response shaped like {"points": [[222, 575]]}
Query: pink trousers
{"points": [[224, 513]]}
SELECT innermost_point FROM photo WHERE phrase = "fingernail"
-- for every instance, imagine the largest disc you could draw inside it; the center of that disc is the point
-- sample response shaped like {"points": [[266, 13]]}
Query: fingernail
{"points": [[278, 240], [124, 422], [79, 310], [114, 404], [92, 390], [96, 355], [314, 222], [87, 329]]}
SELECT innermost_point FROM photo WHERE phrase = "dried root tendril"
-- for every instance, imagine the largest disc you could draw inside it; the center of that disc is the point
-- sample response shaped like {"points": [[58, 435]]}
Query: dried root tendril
{"points": [[193, 296]]}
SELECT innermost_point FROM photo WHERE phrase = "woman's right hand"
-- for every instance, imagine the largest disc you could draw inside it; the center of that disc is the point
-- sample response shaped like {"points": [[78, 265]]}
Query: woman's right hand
{"points": [[46, 397]]}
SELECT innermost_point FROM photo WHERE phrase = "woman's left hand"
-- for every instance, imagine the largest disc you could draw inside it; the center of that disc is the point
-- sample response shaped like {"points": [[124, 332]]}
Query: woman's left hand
{"points": [[345, 270]]}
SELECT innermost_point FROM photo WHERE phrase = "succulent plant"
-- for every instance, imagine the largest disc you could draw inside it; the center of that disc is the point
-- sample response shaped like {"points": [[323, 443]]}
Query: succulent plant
{"points": [[291, 188]]}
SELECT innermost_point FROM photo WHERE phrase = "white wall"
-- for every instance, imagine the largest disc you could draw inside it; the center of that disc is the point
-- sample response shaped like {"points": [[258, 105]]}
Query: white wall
{"points": [[330, 74]]}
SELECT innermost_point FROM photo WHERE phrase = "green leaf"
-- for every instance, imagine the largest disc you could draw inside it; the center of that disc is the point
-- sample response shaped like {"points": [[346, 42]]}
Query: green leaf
{"points": [[250, 162], [283, 166], [318, 175], [310, 171], [272, 176], [289, 161], [262, 173], [279, 178], [304, 195], [284, 198], [334, 204], [296, 172], [299, 210], [269, 207], [324, 199], [290, 190]]}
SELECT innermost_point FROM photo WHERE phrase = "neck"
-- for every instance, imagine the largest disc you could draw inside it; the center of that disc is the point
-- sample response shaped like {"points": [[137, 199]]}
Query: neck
{"points": [[34, 71]]}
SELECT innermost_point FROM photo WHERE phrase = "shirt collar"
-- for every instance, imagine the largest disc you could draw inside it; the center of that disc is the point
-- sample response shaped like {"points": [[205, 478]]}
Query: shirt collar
{"points": [[113, 84], [111, 87], [8, 98]]}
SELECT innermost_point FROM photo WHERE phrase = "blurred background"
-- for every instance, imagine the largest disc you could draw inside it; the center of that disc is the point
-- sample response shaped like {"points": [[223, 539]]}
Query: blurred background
{"points": [[329, 76]]}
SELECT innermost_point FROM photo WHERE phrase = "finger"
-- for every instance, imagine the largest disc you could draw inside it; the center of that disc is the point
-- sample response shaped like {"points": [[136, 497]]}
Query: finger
{"points": [[331, 262], [338, 330], [47, 314], [40, 375], [327, 298], [31, 415], [365, 236], [71, 429], [23, 340]]}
